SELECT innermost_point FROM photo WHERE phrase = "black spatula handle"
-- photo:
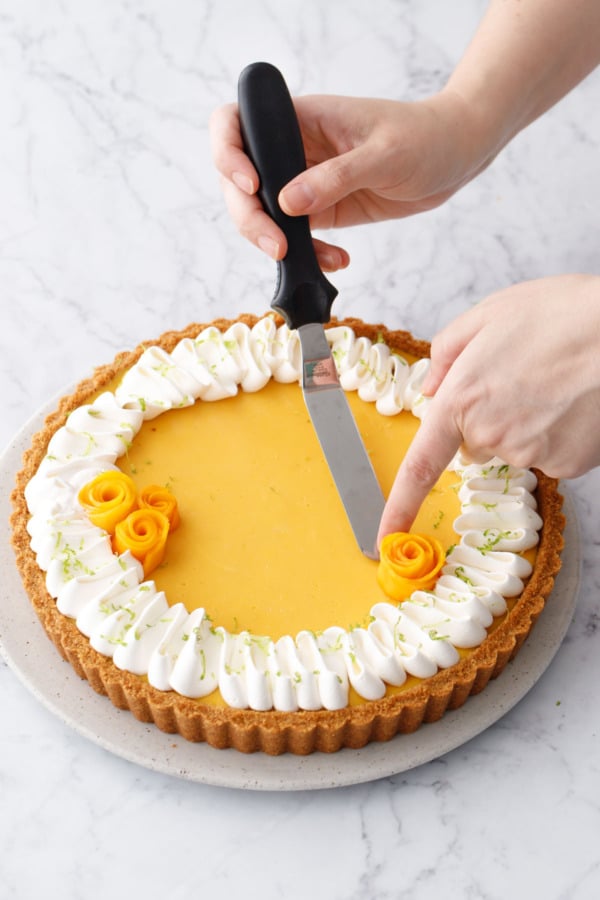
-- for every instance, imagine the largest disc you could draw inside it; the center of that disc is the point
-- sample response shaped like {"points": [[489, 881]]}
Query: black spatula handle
{"points": [[273, 142]]}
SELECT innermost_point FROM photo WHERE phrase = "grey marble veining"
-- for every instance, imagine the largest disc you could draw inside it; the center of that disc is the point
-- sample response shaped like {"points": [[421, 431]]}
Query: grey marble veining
{"points": [[112, 229]]}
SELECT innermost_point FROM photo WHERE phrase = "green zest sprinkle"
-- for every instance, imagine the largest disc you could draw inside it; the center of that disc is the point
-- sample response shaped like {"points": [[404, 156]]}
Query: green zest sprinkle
{"points": [[435, 636], [460, 573], [493, 538], [439, 519]]}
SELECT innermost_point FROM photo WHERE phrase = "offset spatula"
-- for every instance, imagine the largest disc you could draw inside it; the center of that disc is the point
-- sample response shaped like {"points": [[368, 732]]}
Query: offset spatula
{"points": [[304, 296]]}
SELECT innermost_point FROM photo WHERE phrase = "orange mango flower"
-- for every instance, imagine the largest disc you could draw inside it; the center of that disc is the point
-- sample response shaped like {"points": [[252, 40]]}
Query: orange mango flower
{"points": [[144, 532], [155, 497], [407, 563], [108, 499]]}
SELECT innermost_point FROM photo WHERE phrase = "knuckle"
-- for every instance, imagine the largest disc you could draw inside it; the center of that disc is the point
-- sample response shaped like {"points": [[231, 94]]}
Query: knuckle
{"points": [[566, 469], [518, 452], [219, 129], [562, 461], [246, 230], [246, 212], [420, 471], [244, 224], [336, 176], [438, 345], [443, 350], [525, 455], [486, 436]]}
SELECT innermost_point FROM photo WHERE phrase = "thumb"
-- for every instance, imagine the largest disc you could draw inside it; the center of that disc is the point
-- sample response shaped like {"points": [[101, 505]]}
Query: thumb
{"points": [[322, 186], [432, 449]]}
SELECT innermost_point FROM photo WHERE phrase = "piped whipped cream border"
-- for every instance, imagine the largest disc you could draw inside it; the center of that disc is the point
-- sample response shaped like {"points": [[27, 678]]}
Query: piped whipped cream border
{"points": [[129, 620]]}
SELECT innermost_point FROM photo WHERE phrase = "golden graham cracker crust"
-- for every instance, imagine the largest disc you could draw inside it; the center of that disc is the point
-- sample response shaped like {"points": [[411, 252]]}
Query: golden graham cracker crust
{"points": [[273, 732]]}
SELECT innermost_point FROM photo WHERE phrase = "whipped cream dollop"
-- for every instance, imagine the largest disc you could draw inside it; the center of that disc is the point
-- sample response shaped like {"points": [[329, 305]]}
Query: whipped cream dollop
{"points": [[128, 619]]}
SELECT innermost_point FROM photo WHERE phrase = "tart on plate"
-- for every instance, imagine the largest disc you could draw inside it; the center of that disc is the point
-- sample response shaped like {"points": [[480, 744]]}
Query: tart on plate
{"points": [[179, 536]]}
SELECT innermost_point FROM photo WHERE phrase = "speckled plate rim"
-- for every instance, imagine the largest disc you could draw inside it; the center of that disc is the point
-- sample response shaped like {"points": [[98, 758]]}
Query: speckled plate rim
{"points": [[31, 655]]}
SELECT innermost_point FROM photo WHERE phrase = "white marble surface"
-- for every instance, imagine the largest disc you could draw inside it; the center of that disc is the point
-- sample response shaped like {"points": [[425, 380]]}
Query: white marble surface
{"points": [[112, 228]]}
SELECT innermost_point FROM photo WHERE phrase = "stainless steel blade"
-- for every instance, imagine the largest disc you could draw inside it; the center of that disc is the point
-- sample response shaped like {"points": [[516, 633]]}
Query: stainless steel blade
{"points": [[340, 439]]}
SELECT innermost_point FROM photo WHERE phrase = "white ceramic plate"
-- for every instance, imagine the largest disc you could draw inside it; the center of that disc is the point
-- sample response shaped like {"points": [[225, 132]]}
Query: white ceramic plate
{"points": [[32, 656]]}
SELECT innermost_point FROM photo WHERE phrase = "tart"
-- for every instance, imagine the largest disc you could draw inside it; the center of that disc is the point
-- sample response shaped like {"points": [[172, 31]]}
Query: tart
{"points": [[261, 626]]}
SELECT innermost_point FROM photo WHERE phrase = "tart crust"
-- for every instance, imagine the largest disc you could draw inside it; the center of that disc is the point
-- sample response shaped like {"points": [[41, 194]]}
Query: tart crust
{"points": [[273, 732]]}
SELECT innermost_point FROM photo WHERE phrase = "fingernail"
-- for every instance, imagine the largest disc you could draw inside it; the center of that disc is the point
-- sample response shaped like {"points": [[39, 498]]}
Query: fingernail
{"points": [[243, 182], [269, 246], [332, 261], [297, 198], [328, 261]]}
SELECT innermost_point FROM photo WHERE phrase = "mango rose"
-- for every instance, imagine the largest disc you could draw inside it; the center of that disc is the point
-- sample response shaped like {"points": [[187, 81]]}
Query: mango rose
{"points": [[108, 499], [407, 563], [155, 497], [144, 532]]}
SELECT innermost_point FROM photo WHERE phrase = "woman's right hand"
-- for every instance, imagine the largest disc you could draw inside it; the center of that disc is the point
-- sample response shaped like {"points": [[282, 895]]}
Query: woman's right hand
{"points": [[367, 160]]}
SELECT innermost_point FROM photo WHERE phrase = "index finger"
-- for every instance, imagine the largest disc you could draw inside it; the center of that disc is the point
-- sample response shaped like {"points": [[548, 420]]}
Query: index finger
{"points": [[433, 448]]}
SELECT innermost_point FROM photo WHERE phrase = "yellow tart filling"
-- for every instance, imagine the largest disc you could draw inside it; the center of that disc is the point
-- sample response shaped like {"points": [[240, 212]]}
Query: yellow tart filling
{"points": [[264, 543]]}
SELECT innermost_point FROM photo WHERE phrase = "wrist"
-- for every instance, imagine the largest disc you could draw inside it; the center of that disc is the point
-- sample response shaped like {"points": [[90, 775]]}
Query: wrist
{"points": [[466, 141]]}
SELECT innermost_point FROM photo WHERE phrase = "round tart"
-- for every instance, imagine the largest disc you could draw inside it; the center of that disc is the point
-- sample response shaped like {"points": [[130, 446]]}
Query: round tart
{"points": [[261, 626]]}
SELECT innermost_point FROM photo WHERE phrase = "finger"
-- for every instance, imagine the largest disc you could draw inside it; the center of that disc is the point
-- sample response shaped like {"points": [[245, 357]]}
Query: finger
{"points": [[447, 346], [253, 222], [258, 227], [227, 149], [330, 257], [470, 456], [322, 186], [240, 182], [433, 447]]}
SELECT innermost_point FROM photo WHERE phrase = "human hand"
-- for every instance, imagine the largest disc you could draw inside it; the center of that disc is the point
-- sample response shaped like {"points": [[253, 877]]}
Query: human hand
{"points": [[367, 160], [516, 377]]}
